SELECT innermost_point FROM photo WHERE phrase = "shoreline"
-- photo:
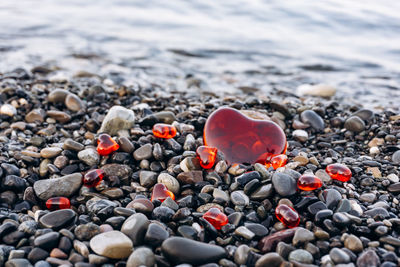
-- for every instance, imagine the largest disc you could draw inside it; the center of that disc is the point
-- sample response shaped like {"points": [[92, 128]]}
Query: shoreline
{"points": [[49, 133]]}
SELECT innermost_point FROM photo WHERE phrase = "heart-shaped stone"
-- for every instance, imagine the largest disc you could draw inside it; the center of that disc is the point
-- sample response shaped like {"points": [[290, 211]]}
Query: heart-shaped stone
{"points": [[106, 145], [242, 139], [207, 156]]}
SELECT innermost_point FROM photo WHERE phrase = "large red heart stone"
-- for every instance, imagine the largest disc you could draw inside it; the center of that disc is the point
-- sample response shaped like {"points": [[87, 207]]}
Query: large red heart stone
{"points": [[242, 139]]}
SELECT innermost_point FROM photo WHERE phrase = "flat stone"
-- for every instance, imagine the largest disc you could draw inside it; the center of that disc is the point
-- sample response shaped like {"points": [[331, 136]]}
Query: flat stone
{"points": [[339, 256], [271, 259], [262, 192], [59, 116], [322, 90], [182, 250], [47, 241], [57, 219], [113, 244], [301, 255], [118, 118], [142, 256], [143, 152], [50, 152], [70, 144], [135, 228], [18, 263], [58, 187], [190, 177], [284, 184]]}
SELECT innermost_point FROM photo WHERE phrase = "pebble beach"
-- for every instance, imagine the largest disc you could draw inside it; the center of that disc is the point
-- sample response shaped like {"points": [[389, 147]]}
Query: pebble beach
{"points": [[49, 132]]}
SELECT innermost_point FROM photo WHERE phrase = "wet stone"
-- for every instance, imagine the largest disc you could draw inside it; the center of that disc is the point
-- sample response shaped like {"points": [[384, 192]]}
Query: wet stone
{"points": [[143, 152], [57, 219], [284, 184], [50, 152], [85, 232], [339, 256], [169, 181], [312, 118], [113, 244], [135, 228], [70, 144], [182, 250], [155, 235], [141, 257], [73, 102], [47, 241], [301, 255], [332, 198], [354, 124], [64, 186]]}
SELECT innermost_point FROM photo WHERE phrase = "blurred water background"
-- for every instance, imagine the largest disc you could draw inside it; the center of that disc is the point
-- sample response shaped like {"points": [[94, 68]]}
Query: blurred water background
{"points": [[353, 45]]}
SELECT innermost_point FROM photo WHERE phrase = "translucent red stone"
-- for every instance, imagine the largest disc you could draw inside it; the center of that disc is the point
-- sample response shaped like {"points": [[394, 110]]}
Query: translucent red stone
{"points": [[242, 139], [93, 177], [308, 182], [338, 172], [106, 145], [165, 131], [58, 203], [161, 192], [277, 161], [207, 156], [216, 217], [287, 215]]}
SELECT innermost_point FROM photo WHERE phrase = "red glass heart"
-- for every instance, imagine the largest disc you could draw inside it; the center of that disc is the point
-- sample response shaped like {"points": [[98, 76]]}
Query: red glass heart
{"points": [[216, 217], [93, 177], [106, 145], [161, 192], [287, 215], [58, 203], [338, 172], [164, 131], [207, 156], [241, 139], [309, 182]]}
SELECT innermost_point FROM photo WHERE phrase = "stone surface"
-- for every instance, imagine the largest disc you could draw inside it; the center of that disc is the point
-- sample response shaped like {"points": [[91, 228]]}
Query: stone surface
{"points": [[57, 219], [271, 259], [89, 156], [142, 256], [113, 244], [182, 250], [354, 124], [135, 228], [118, 118], [58, 187], [284, 184]]}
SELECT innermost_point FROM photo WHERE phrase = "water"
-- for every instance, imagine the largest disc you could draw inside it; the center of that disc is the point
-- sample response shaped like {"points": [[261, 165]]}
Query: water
{"points": [[353, 45]]}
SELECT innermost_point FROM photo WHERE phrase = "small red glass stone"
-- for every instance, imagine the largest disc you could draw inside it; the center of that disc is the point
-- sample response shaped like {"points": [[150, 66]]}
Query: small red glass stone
{"points": [[58, 203], [309, 182], [277, 161], [207, 156], [216, 217], [242, 139], [93, 177], [165, 131], [106, 145], [161, 192], [287, 215], [338, 172]]}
